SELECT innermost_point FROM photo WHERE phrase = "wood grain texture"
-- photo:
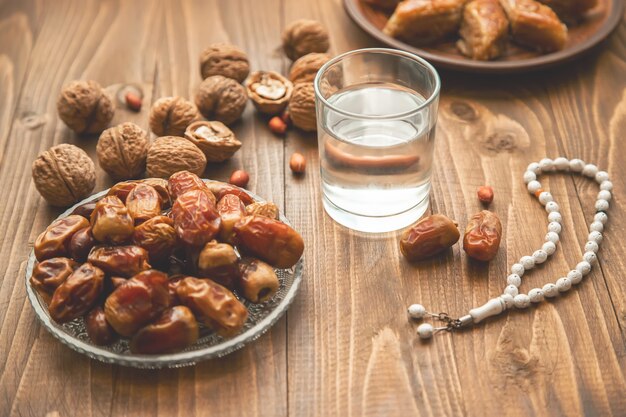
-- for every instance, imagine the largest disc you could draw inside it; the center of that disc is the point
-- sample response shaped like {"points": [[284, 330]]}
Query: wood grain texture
{"points": [[345, 347]]}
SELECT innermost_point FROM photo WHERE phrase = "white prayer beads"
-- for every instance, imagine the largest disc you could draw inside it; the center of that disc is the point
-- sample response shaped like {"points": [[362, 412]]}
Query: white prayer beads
{"points": [[511, 295]]}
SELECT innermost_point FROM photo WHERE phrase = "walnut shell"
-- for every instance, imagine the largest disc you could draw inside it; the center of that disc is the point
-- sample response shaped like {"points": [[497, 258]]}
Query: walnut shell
{"points": [[215, 140], [64, 174], [302, 107], [122, 151], [85, 107], [170, 116], [269, 91], [170, 154], [305, 68], [303, 37], [224, 59], [220, 98]]}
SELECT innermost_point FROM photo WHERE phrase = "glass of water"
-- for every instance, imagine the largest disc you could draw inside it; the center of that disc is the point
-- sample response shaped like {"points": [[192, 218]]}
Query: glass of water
{"points": [[376, 117]]}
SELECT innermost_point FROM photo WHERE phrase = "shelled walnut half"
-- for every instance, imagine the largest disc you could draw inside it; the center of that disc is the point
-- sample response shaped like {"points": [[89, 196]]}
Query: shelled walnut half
{"points": [[215, 140], [269, 91]]}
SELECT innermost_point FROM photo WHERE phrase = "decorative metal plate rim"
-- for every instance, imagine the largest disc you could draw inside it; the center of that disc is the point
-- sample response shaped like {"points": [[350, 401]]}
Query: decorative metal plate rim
{"points": [[174, 360]]}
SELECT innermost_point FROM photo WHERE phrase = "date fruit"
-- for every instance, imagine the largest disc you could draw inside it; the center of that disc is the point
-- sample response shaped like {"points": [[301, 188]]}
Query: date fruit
{"points": [[122, 189], [158, 237], [482, 236], [78, 294], [219, 261], [124, 261], [81, 244], [182, 181], [48, 275], [172, 332], [137, 302], [274, 242], [231, 210], [266, 209], [111, 222], [85, 209], [213, 304], [220, 189], [258, 281], [429, 236], [160, 185], [98, 328], [172, 284], [55, 240], [196, 219], [143, 203]]}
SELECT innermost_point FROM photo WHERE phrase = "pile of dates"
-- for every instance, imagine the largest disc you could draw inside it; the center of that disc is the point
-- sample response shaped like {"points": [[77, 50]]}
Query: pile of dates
{"points": [[154, 257]]}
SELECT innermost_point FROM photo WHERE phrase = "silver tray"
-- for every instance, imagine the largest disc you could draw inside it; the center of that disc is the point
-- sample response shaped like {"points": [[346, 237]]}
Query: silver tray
{"points": [[209, 345]]}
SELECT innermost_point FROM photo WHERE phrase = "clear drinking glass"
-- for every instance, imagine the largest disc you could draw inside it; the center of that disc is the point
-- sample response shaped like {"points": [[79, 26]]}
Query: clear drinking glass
{"points": [[376, 117]]}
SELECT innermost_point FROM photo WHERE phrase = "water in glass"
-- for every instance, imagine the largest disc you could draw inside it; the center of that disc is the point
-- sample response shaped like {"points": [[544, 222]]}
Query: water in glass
{"points": [[376, 167]]}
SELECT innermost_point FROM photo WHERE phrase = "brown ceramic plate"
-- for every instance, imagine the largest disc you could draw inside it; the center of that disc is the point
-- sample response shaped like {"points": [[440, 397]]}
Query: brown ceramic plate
{"points": [[596, 26]]}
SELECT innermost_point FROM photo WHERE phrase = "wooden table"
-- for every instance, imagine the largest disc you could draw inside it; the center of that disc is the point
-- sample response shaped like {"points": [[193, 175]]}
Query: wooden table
{"points": [[345, 347]]}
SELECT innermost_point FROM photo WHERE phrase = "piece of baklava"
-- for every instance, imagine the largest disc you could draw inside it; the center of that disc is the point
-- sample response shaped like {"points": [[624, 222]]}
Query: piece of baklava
{"points": [[484, 30], [535, 25], [425, 21], [570, 9]]}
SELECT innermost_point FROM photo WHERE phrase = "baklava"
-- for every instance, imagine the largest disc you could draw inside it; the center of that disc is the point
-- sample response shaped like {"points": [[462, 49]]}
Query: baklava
{"points": [[484, 30], [535, 25], [425, 21]]}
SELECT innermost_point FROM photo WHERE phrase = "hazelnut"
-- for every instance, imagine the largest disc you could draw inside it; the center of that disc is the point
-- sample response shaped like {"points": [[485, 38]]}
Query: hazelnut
{"points": [[302, 107], [297, 163], [269, 91], [303, 37], [306, 67], [122, 151], [64, 174], [221, 98], [485, 194], [216, 140], [133, 101], [277, 125], [85, 107], [170, 116], [224, 59], [239, 178], [170, 154]]}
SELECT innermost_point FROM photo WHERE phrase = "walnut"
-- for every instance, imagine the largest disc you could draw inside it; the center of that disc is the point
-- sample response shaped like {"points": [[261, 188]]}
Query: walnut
{"points": [[64, 174], [85, 107], [303, 37], [269, 91], [302, 107], [224, 59], [215, 140], [122, 151], [305, 68], [170, 154], [170, 116], [221, 98]]}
